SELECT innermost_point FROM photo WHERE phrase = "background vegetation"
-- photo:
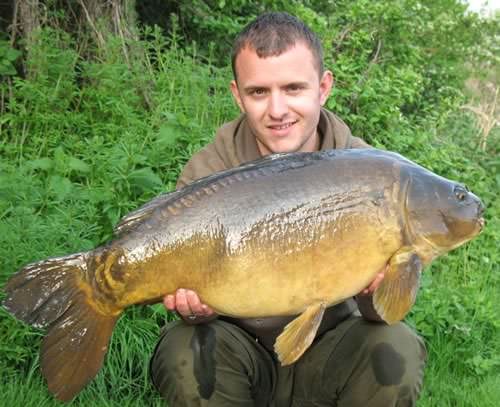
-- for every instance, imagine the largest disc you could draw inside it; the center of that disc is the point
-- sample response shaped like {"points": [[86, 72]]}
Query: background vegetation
{"points": [[102, 103]]}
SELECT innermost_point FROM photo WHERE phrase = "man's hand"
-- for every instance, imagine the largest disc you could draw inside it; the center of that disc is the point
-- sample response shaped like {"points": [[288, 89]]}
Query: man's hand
{"points": [[188, 305], [365, 299], [375, 283]]}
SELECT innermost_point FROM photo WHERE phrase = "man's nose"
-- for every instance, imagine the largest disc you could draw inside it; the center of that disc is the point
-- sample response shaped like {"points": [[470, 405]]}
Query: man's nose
{"points": [[278, 107]]}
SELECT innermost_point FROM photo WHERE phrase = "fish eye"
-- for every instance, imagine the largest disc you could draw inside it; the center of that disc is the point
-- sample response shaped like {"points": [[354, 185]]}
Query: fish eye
{"points": [[460, 193]]}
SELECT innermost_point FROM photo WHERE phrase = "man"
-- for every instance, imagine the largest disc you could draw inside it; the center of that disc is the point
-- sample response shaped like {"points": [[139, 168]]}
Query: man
{"points": [[280, 86]]}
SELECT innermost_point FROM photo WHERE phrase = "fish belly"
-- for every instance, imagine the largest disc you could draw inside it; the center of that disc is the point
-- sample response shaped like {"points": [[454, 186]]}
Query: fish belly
{"points": [[268, 283]]}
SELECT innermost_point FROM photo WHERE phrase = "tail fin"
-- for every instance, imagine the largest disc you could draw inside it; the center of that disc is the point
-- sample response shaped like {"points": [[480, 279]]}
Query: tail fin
{"points": [[53, 294]]}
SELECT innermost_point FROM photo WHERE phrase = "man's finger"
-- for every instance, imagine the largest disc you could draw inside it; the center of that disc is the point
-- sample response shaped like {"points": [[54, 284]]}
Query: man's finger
{"points": [[207, 311], [376, 282], [169, 302], [181, 303], [194, 303]]}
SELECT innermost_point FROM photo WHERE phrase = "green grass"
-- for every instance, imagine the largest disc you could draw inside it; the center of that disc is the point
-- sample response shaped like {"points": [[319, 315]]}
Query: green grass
{"points": [[456, 312], [123, 380], [85, 142]]}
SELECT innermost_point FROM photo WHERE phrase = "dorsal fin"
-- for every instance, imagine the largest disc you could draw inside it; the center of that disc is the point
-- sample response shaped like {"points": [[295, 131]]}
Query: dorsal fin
{"points": [[129, 221], [276, 162]]}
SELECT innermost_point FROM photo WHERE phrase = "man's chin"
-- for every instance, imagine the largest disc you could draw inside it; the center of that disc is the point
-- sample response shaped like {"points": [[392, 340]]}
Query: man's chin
{"points": [[287, 146], [277, 146], [279, 149]]}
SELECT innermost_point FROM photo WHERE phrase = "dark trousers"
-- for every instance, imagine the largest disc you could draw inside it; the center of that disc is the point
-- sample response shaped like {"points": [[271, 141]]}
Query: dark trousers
{"points": [[359, 363]]}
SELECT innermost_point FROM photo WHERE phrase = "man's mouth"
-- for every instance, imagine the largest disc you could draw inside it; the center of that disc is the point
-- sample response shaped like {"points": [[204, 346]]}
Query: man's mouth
{"points": [[282, 126]]}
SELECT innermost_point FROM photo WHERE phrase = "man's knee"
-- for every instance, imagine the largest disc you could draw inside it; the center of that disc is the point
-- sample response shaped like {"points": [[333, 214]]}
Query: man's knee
{"points": [[183, 347], [395, 353], [193, 360], [172, 357], [378, 362], [396, 357]]}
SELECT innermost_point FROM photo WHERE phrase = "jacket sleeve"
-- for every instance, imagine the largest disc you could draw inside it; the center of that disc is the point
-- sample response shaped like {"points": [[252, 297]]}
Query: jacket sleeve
{"points": [[356, 142], [203, 163]]}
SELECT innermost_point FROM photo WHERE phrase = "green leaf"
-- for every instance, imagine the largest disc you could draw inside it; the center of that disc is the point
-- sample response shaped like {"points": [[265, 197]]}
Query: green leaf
{"points": [[98, 195], [61, 187], [144, 179], [59, 156], [113, 214], [6, 68], [12, 54], [78, 165], [168, 134], [44, 163], [87, 244]]}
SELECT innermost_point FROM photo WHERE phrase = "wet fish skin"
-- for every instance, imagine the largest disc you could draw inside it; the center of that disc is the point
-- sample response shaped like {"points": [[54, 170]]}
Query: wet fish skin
{"points": [[288, 234]]}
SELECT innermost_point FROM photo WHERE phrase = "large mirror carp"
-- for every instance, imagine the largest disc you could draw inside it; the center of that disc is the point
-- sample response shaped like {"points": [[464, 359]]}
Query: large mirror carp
{"points": [[290, 234]]}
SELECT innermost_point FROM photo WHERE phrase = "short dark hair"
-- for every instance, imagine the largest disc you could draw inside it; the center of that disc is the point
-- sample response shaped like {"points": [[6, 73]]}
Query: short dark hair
{"points": [[273, 33]]}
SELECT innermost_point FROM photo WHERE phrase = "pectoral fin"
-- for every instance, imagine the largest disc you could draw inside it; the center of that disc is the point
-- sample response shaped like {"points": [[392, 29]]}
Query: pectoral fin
{"points": [[397, 292], [299, 334]]}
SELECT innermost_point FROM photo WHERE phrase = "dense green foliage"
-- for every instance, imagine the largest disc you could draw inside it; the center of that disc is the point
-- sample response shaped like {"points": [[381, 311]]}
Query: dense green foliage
{"points": [[87, 137]]}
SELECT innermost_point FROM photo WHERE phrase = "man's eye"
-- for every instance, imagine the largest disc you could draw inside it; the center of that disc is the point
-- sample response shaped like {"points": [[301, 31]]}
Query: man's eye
{"points": [[258, 92], [294, 88]]}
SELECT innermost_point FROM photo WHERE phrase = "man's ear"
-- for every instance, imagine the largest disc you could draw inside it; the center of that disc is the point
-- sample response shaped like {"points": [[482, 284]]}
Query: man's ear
{"points": [[325, 87], [236, 95]]}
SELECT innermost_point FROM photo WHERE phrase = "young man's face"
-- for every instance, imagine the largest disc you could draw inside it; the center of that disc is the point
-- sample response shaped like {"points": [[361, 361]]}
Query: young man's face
{"points": [[282, 97]]}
